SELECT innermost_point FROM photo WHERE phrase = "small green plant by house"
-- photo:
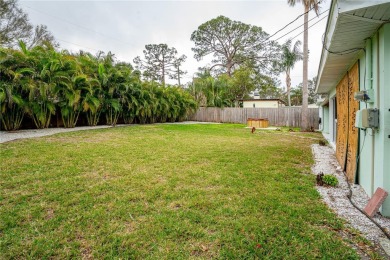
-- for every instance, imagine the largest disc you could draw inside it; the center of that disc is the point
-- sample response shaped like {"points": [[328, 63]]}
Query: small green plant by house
{"points": [[322, 142], [330, 180]]}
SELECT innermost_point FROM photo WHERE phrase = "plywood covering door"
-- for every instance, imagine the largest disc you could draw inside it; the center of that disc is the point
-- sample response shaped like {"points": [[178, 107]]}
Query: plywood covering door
{"points": [[342, 121], [347, 135], [353, 133]]}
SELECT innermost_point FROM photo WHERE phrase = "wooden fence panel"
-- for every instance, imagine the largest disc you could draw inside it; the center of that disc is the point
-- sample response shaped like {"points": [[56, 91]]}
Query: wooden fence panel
{"points": [[284, 116]]}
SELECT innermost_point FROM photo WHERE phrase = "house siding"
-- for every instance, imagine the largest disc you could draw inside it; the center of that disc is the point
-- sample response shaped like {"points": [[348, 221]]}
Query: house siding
{"points": [[374, 145], [374, 165], [366, 138], [382, 159], [326, 119]]}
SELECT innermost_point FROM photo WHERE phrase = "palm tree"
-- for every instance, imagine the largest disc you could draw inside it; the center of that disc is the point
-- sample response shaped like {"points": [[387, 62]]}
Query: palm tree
{"points": [[111, 104], [78, 97], [130, 100], [174, 104], [185, 103], [290, 55], [92, 101], [162, 103], [296, 95], [144, 108], [308, 4], [47, 77], [14, 75], [197, 91], [41, 81], [92, 106], [11, 107]]}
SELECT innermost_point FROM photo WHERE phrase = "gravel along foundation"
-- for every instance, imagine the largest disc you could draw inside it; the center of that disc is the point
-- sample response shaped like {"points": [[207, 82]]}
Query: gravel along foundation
{"points": [[337, 198]]}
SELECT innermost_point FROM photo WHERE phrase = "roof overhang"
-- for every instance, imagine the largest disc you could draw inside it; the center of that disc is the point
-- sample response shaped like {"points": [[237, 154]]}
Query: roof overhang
{"points": [[349, 24]]}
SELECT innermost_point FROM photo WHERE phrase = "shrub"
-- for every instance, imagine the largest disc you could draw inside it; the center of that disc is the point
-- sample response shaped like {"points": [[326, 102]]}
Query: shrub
{"points": [[322, 142], [330, 180]]}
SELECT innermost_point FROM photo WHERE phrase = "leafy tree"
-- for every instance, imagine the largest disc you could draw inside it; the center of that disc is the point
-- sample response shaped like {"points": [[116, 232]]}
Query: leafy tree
{"points": [[15, 27], [14, 24], [212, 92], [296, 95], [177, 63], [242, 84], [195, 89], [290, 55], [268, 87], [308, 5], [233, 43], [41, 35], [182, 104], [312, 97], [159, 62]]}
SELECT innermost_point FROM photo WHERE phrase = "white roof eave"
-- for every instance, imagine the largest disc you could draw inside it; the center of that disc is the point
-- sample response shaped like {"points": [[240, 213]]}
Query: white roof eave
{"points": [[339, 35]]}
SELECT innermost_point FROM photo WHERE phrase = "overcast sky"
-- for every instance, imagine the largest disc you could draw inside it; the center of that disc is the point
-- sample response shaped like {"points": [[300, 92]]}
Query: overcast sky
{"points": [[125, 27]]}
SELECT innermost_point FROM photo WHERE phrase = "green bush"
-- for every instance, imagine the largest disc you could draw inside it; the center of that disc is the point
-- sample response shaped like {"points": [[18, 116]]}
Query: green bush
{"points": [[322, 142], [330, 180]]}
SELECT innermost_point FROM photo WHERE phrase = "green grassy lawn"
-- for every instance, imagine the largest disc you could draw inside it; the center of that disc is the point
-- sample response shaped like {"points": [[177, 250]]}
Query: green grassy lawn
{"points": [[165, 191]]}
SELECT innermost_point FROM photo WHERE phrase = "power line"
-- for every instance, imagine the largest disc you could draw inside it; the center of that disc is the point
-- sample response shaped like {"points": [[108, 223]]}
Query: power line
{"points": [[299, 16], [111, 38], [79, 26], [296, 28], [77, 44], [309, 27]]}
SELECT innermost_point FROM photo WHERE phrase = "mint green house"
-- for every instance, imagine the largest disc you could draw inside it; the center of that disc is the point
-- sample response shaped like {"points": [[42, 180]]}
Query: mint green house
{"points": [[354, 81]]}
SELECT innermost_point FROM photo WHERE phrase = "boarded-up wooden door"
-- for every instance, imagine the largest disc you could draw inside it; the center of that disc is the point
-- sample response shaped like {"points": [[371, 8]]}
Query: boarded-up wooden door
{"points": [[353, 133], [342, 121], [347, 135]]}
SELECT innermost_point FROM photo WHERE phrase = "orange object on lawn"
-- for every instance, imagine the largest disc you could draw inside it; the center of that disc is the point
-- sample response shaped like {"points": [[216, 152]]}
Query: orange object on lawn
{"points": [[258, 122]]}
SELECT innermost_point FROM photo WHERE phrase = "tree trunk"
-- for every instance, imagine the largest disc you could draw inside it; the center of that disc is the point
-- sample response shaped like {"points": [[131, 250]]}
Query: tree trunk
{"points": [[178, 75], [304, 122], [288, 85], [163, 72], [229, 68]]}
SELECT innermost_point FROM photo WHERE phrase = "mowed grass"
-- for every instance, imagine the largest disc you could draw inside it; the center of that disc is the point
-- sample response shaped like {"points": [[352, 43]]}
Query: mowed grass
{"points": [[165, 191]]}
